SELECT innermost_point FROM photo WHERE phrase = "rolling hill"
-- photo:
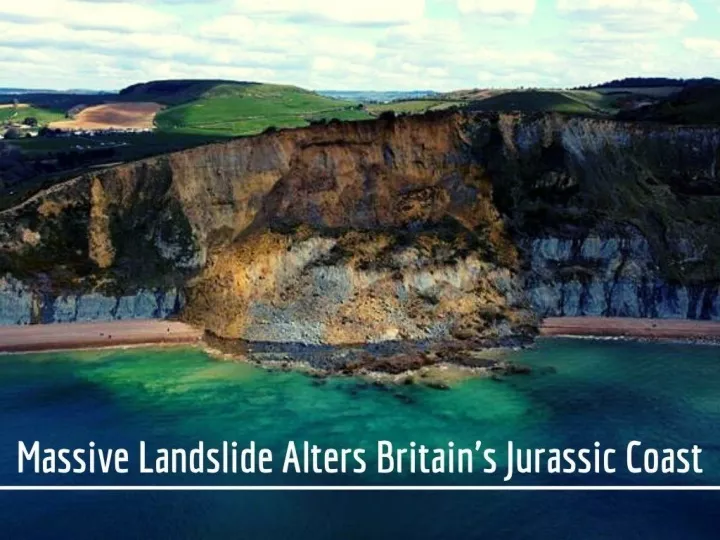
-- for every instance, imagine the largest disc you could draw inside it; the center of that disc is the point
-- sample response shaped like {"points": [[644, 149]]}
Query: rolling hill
{"points": [[533, 101], [247, 108], [696, 104], [600, 101], [207, 107], [173, 92]]}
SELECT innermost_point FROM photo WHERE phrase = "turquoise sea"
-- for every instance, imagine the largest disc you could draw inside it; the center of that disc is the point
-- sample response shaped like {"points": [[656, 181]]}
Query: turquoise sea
{"points": [[581, 391]]}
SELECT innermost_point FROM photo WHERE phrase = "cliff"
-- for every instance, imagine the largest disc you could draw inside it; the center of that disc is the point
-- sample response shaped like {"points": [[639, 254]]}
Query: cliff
{"points": [[444, 226], [339, 234], [613, 219]]}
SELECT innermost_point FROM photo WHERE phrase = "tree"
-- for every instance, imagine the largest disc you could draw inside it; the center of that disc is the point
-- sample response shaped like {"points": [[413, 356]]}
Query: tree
{"points": [[30, 121]]}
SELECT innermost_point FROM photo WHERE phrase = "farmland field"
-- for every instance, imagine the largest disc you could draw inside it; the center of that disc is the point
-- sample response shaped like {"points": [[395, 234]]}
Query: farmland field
{"points": [[251, 108], [17, 113], [531, 101], [140, 115], [128, 145], [417, 106]]}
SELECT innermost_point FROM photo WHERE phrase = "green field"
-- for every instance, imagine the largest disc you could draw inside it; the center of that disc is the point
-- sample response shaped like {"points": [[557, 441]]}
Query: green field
{"points": [[344, 115], [245, 109], [413, 106], [531, 101], [126, 145], [655, 92], [18, 114], [595, 101]]}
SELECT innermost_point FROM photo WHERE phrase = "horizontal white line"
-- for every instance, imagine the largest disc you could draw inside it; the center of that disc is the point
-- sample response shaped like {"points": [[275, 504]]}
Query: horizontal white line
{"points": [[359, 488]]}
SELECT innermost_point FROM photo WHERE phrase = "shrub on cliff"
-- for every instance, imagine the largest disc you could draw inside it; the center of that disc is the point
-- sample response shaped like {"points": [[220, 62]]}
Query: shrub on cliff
{"points": [[387, 115]]}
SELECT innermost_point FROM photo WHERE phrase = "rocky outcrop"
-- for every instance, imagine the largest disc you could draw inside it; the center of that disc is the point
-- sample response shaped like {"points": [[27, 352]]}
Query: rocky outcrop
{"points": [[612, 277], [20, 304], [358, 288]]}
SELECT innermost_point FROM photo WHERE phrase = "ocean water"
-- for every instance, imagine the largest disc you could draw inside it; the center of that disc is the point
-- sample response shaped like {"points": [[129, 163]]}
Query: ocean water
{"points": [[581, 391]]}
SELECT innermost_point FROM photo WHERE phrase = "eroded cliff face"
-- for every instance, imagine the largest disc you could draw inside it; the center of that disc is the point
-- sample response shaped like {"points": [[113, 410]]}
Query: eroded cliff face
{"points": [[613, 219], [339, 234], [613, 276], [358, 287], [446, 226]]}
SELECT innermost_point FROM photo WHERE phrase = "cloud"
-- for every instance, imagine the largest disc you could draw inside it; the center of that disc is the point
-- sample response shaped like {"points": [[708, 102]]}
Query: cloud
{"points": [[508, 9], [365, 13], [709, 48], [636, 16], [374, 44], [115, 15], [611, 39], [61, 37], [242, 33], [445, 55]]}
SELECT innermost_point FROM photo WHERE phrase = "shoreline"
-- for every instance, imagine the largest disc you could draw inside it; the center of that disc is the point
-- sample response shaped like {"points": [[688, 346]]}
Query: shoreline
{"points": [[96, 335], [138, 333], [650, 329]]}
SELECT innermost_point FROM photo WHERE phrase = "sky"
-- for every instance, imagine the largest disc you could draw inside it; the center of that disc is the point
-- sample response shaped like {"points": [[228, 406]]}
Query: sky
{"points": [[361, 45]]}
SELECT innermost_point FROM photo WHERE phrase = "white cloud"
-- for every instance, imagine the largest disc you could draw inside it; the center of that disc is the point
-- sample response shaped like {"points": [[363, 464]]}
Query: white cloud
{"points": [[612, 39], [367, 12], [709, 48], [115, 15], [374, 44], [251, 32], [58, 36], [241, 33], [508, 9], [637, 16]]}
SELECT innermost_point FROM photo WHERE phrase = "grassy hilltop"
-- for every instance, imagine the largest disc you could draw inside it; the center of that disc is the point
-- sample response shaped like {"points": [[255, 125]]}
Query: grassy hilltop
{"points": [[247, 108]]}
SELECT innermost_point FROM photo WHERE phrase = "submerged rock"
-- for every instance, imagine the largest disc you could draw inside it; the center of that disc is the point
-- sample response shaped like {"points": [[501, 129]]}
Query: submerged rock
{"points": [[403, 398], [437, 385]]}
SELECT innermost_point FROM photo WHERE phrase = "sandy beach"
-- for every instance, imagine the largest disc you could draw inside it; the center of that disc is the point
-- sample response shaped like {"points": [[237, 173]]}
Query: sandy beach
{"points": [[152, 332], [639, 328], [91, 335]]}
